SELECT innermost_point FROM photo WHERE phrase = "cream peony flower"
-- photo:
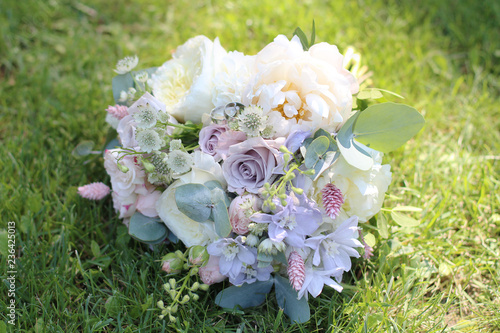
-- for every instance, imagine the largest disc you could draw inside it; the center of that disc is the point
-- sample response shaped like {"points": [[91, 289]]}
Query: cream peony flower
{"points": [[301, 90], [363, 191], [123, 183], [184, 83], [188, 231]]}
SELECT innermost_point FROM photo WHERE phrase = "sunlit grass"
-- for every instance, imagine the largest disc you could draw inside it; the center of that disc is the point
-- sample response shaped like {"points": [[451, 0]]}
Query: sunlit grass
{"points": [[56, 60]]}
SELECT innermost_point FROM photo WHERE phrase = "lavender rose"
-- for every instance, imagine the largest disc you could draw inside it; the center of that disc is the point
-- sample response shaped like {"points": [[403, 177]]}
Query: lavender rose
{"points": [[251, 164], [209, 139]]}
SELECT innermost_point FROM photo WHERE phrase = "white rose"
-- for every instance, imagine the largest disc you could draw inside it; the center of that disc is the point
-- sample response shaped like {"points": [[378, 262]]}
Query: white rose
{"points": [[187, 230], [123, 183], [124, 205], [299, 89], [363, 191], [233, 75], [126, 132], [184, 84]]}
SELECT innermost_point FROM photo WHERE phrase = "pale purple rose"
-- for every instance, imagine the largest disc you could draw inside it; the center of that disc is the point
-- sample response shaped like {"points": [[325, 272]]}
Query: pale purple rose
{"points": [[228, 139], [251, 164], [209, 139]]}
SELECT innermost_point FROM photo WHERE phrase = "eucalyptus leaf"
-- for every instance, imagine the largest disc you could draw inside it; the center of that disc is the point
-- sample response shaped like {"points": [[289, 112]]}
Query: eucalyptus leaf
{"points": [[354, 154], [404, 220], [122, 82], [316, 149], [297, 310], [147, 229], [245, 296], [195, 201], [322, 132], [221, 219], [387, 126], [112, 144], [327, 161], [84, 148]]}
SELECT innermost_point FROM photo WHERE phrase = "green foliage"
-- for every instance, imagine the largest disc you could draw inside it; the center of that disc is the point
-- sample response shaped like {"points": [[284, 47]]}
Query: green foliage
{"points": [[297, 310], [56, 61], [245, 296], [146, 229]]}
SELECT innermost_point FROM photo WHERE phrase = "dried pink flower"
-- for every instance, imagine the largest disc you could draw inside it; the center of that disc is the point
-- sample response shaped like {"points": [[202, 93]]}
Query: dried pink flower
{"points": [[332, 200], [118, 111], [368, 248], [94, 191], [296, 270]]}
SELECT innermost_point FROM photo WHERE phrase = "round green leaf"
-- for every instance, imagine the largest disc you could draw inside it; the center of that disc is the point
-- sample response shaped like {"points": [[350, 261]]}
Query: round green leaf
{"points": [[221, 219], [147, 229], [404, 220], [316, 149], [84, 148], [387, 126], [194, 200], [297, 310], [246, 296]]}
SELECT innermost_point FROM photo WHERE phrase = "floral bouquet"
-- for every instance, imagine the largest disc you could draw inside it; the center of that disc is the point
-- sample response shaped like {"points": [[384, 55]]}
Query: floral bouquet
{"points": [[263, 166]]}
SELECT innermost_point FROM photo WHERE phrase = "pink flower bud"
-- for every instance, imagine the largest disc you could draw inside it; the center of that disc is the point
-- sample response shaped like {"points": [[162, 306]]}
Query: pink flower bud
{"points": [[171, 263], [118, 111], [296, 270], [94, 191], [210, 273], [332, 200], [241, 209], [198, 255]]}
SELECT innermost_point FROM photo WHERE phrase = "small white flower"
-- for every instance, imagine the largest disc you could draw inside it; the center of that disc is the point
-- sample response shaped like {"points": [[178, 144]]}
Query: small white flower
{"points": [[149, 140], [126, 64], [123, 96], [252, 121], [175, 144], [179, 161], [145, 116], [142, 77]]}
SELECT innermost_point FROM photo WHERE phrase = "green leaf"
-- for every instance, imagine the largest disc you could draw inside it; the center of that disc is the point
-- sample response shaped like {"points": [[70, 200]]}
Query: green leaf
{"points": [[303, 38], [404, 220], [322, 132], [112, 144], [221, 219], [211, 184], [316, 149], [406, 209], [195, 201], [296, 310], [96, 251], [147, 229], [4, 241], [313, 35], [353, 153], [84, 148], [387, 126], [3, 327], [113, 306], [123, 82], [329, 158], [371, 93], [382, 225], [246, 296]]}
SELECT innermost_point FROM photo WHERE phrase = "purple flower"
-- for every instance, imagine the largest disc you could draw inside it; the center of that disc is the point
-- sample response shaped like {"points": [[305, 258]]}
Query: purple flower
{"points": [[252, 273], [251, 164], [209, 139], [334, 250], [233, 255], [296, 139], [316, 278], [291, 223]]}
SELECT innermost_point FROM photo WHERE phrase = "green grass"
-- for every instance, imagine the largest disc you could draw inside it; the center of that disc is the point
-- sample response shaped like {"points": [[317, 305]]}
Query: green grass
{"points": [[56, 60]]}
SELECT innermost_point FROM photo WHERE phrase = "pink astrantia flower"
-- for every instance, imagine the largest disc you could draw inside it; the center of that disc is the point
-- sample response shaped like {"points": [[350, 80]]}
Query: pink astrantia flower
{"points": [[332, 200], [94, 191], [296, 270], [118, 111]]}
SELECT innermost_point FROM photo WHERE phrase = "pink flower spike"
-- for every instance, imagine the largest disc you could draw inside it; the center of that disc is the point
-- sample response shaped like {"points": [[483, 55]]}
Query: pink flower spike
{"points": [[332, 200], [368, 249], [296, 270], [94, 191], [118, 111]]}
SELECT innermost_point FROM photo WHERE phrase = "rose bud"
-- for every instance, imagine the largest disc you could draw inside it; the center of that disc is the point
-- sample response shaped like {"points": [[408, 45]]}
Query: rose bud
{"points": [[241, 209], [171, 263], [210, 273], [198, 255]]}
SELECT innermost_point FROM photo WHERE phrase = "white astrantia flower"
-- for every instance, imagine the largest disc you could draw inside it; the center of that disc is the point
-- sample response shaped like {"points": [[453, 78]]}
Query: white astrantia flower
{"points": [[179, 162], [251, 121], [142, 77], [149, 140], [175, 144], [125, 65], [145, 116]]}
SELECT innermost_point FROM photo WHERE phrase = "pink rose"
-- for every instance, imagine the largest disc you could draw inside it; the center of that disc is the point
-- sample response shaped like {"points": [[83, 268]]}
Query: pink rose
{"points": [[241, 209], [146, 204], [251, 164], [210, 273]]}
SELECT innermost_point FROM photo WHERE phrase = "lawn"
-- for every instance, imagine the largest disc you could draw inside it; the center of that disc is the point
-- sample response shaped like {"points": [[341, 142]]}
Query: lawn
{"points": [[77, 270]]}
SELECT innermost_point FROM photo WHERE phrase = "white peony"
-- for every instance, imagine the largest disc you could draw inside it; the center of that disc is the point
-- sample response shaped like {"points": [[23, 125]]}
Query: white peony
{"points": [[233, 75], [188, 231], [363, 191], [184, 83], [301, 90]]}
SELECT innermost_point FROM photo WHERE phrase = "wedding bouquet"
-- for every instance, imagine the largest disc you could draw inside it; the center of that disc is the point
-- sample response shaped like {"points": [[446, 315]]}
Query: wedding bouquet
{"points": [[263, 166]]}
